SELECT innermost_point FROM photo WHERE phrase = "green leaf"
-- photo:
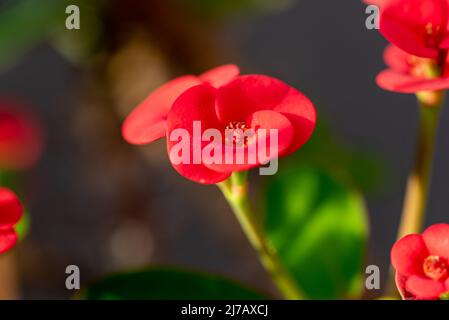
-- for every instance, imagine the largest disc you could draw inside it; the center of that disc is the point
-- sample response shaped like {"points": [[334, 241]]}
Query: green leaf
{"points": [[161, 284], [319, 227], [25, 23], [364, 170]]}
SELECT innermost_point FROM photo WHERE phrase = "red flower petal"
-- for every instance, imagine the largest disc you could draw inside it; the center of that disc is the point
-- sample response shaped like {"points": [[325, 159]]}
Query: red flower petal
{"points": [[8, 238], [400, 284], [302, 114], [408, 254], [196, 104], [399, 82], [220, 76], [397, 59], [248, 94], [405, 23], [267, 120], [424, 288], [11, 209], [436, 238], [147, 122]]}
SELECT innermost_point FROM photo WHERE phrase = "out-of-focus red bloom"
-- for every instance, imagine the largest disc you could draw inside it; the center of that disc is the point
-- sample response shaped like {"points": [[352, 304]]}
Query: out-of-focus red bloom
{"points": [[422, 263], [419, 27], [248, 102], [20, 137], [411, 74], [147, 122], [11, 211]]}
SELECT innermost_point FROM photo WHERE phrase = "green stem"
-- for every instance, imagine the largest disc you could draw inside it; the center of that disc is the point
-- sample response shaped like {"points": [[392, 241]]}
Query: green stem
{"points": [[236, 193], [419, 181], [416, 195]]}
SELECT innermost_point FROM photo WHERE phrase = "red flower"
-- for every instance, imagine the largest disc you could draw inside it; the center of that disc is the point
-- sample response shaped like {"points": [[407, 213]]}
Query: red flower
{"points": [[10, 213], [147, 122], [422, 263], [419, 27], [20, 138], [411, 74], [252, 102]]}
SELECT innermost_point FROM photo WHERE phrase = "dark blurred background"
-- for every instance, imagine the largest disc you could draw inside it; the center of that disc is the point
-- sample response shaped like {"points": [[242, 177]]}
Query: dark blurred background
{"points": [[103, 205]]}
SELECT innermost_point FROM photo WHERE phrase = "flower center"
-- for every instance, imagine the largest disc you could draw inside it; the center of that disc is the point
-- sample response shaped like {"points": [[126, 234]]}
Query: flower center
{"points": [[436, 268], [238, 133], [423, 68]]}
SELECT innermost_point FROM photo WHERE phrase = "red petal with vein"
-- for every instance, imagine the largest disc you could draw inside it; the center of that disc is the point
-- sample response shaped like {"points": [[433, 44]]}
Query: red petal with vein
{"points": [[267, 120], [8, 238], [436, 238], [404, 23], [398, 82], [11, 209], [248, 94], [408, 254], [220, 76], [147, 122], [424, 288], [196, 104]]}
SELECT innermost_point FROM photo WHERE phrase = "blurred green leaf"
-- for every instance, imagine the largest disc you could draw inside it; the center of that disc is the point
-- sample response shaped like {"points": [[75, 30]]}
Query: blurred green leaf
{"points": [[363, 170], [221, 8], [320, 229], [9, 179], [23, 226], [78, 45], [160, 284], [23, 24]]}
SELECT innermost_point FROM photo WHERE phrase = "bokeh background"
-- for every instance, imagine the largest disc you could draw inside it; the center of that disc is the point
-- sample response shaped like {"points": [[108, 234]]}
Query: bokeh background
{"points": [[104, 205]]}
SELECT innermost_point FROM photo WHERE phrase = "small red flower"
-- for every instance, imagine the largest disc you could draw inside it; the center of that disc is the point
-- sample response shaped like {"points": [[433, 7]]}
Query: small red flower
{"points": [[251, 102], [412, 74], [419, 27], [11, 211], [147, 122], [20, 137], [422, 263]]}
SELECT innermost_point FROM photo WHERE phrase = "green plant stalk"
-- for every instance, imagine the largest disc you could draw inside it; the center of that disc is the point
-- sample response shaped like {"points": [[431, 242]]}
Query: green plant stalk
{"points": [[235, 190], [417, 191], [419, 181]]}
